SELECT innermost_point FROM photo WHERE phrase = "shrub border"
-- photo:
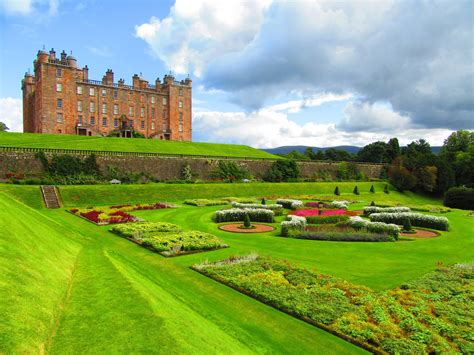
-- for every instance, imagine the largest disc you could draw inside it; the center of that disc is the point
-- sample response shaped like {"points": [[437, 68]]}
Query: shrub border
{"points": [[291, 313]]}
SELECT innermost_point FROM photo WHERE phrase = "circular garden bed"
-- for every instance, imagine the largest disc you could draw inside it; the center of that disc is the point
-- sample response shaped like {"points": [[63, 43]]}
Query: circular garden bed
{"points": [[420, 233], [237, 228]]}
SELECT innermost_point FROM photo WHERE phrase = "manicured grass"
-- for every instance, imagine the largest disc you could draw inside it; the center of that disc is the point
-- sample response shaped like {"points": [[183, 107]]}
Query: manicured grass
{"points": [[129, 145], [125, 298]]}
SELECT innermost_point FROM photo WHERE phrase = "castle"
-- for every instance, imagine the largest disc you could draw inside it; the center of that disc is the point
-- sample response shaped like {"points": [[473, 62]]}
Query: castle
{"points": [[60, 98]]}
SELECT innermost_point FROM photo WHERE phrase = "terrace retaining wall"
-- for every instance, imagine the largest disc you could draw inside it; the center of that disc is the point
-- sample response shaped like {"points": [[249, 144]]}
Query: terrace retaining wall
{"points": [[168, 168]]}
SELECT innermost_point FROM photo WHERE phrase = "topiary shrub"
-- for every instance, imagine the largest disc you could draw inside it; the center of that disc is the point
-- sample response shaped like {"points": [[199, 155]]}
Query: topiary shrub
{"points": [[407, 225], [264, 202], [247, 221], [356, 190], [372, 203], [372, 189], [460, 197], [336, 191], [385, 189]]}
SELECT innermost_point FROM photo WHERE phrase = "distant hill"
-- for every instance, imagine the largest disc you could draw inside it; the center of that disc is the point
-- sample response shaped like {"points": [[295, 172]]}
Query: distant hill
{"points": [[301, 148]]}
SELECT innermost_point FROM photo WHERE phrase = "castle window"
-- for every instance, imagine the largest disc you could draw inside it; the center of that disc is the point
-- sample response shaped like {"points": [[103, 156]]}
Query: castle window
{"points": [[79, 118], [164, 101], [59, 103], [142, 98], [92, 121], [181, 127], [79, 90], [152, 99], [180, 139], [142, 124], [115, 109], [59, 117], [142, 112], [180, 92], [59, 72], [181, 117], [153, 112], [180, 104], [104, 92], [79, 106], [59, 87], [104, 121], [104, 108], [116, 122], [130, 111], [91, 92], [92, 107], [164, 114], [153, 125], [129, 95], [115, 94]]}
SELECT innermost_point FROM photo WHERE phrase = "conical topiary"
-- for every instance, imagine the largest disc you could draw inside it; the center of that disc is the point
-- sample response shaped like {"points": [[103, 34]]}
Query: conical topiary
{"points": [[264, 202], [372, 189], [407, 225], [385, 189], [372, 203], [247, 221], [356, 190], [336, 191]]}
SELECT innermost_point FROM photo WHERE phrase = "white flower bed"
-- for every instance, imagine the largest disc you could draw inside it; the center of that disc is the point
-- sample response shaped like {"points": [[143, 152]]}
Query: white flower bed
{"points": [[416, 219], [277, 209], [374, 209], [290, 204], [374, 227], [340, 204], [238, 214], [295, 223]]}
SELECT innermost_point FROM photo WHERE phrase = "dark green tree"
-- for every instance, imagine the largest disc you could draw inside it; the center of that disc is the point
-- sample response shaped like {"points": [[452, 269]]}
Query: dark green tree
{"points": [[372, 189], [283, 170], [336, 191], [3, 127], [356, 190], [376, 152], [247, 223]]}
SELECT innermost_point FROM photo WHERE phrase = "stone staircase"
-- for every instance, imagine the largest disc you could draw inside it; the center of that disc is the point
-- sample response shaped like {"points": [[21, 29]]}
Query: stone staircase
{"points": [[50, 196]]}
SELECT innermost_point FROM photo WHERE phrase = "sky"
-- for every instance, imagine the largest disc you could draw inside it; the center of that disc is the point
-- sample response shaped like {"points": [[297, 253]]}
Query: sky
{"points": [[268, 73]]}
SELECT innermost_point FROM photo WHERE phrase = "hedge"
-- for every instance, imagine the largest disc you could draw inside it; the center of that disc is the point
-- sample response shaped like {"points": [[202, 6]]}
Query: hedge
{"points": [[373, 209], [290, 204], [326, 219], [345, 236], [361, 224], [276, 208], [293, 224], [460, 197], [416, 219], [238, 214]]}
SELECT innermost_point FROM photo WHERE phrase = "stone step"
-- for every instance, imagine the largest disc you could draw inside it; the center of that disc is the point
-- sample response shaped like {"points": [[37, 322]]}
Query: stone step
{"points": [[50, 196]]}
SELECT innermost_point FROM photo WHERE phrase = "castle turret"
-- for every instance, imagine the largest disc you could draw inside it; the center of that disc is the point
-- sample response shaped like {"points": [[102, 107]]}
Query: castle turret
{"points": [[85, 73], [42, 56], [52, 54], [71, 61], [158, 83]]}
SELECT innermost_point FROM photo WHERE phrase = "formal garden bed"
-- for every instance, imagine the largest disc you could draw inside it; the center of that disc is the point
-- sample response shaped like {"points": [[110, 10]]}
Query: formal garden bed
{"points": [[117, 213], [432, 314], [237, 228], [168, 239]]}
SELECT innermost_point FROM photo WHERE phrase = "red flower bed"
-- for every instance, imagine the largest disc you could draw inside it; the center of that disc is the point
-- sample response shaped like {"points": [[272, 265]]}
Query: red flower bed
{"points": [[120, 206], [154, 206], [317, 212], [92, 216]]}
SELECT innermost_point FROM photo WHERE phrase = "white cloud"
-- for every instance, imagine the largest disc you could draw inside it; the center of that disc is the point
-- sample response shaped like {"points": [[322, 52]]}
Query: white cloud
{"points": [[30, 7], [101, 52], [270, 127], [11, 113], [197, 31], [295, 106], [371, 118]]}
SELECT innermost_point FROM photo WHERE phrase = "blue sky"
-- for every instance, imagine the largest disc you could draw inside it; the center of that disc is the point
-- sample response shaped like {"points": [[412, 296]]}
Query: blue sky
{"points": [[268, 73]]}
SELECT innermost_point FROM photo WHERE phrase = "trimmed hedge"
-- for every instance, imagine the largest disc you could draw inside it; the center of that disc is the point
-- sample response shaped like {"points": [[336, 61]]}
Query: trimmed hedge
{"points": [[345, 237], [361, 224], [293, 224], [373, 209], [327, 219], [416, 220], [290, 204], [238, 214], [276, 208], [129, 230], [460, 197], [205, 202], [340, 204]]}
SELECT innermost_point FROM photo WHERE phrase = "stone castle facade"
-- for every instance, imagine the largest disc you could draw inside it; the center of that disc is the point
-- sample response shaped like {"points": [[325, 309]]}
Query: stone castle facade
{"points": [[61, 99]]}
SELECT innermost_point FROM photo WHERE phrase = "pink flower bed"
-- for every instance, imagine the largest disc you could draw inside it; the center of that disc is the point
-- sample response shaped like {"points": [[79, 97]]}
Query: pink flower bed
{"points": [[317, 212]]}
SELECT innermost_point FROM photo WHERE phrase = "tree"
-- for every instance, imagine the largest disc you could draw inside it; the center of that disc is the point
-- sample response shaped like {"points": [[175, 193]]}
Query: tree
{"points": [[457, 153], [372, 189], [309, 153], [374, 153], [319, 155], [393, 149], [400, 177], [3, 127], [283, 170], [356, 190], [336, 191], [247, 223]]}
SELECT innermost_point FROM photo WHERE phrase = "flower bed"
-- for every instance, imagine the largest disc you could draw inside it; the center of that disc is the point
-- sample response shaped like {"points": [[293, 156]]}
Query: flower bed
{"points": [[293, 224], [168, 239], [115, 214], [276, 208], [346, 236], [205, 202], [416, 219], [361, 224], [430, 315], [238, 214], [318, 212], [290, 204], [374, 209], [237, 228]]}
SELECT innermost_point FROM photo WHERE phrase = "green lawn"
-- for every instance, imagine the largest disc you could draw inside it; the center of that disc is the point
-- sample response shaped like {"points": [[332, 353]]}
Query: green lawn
{"points": [[124, 298], [129, 145]]}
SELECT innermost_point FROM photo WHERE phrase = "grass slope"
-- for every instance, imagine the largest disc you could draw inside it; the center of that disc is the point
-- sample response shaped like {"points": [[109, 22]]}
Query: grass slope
{"points": [[129, 145], [36, 266]]}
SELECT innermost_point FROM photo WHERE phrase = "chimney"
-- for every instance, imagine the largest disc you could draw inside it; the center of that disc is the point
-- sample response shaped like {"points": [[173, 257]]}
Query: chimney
{"points": [[109, 76], [158, 84], [52, 54], [85, 72], [63, 56], [136, 81]]}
